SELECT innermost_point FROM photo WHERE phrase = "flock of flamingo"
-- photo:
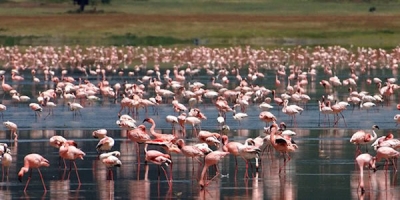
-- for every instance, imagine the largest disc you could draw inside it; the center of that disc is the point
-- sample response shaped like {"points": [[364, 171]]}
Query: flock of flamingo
{"points": [[72, 72]]}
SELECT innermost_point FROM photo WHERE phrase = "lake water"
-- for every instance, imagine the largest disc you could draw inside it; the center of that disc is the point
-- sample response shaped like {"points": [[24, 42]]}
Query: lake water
{"points": [[322, 168]]}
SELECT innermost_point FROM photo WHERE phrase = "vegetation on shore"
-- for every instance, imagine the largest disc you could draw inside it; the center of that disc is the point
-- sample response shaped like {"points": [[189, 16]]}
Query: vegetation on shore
{"points": [[269, 23]]}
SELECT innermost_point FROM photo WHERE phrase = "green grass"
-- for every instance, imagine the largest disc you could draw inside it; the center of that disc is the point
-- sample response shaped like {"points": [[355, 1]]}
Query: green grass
{"points": [[215, 22]]}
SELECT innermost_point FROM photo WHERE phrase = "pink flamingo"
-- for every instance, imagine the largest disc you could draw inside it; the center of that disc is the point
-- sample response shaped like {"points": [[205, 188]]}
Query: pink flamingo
{"points": [[71, 153], [291, 110], [100, 133], [212, 139], [15, 77], [36, 108], [364, 160], [387, 153], [396, 118], [282, 145], [190, 151], [159, 136], [111, 160], [138, 135], [211, 159], [231, 147], [267, 117], [4, 108], [33, 161], [159, 159], [337, 109], [277, 100], [6, 87], [362, 137], [248, 152], [6, 162], [13, 128], [57, 141], [105, 144]]}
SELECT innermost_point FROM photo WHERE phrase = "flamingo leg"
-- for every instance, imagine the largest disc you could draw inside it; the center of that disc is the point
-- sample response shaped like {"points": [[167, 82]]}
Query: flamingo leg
{"points": [[47, 115], [77, 175], [236, 165], [41, 177], [166, 176], [29, 179], [111, 174], [138, 152], [216, 174], [284, 163], [343, 119], [8, 171]]}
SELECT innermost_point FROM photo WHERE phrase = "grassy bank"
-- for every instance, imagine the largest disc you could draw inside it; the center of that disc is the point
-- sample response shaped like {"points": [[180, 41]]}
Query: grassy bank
{"points": [[214, 23]]}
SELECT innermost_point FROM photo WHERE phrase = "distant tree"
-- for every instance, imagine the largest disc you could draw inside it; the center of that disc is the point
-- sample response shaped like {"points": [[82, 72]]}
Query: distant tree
{"points": [[81, 3]]}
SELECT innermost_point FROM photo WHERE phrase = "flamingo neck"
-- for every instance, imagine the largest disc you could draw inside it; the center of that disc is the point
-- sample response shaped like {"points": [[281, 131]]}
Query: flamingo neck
{"points": [[374, 136], [23, 170], [272, 136], [152, 128]]}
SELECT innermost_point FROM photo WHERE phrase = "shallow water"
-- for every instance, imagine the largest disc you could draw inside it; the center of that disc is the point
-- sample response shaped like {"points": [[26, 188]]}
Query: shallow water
{"points": [[323, 166]]}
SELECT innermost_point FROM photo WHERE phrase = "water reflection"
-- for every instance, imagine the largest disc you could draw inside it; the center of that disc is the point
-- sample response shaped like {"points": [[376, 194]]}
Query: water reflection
{"points": [[323, 161], [378, 185]]}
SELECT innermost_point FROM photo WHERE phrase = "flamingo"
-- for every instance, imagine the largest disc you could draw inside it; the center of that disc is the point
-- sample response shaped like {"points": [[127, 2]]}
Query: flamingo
{"points": [[193, 121], [277, 100], [291, 110], [105, 144], [239, 116], [13, 128], [75, 107], [159, 159], [36, 108], [111, 160], [364, 160], [397, 119], [138, 135], [6, 87], [100, 133], [70, 152], [366, 105], [172, 120], [159, 136], [281, 145], [50, 105], [126, 122], [248, 152], [210, 138], [220, 119], [211, 159], [267, 117], [33, 161], [232, 147], [387, 153], [57, 141], [16, 77], [6, 162], [190, 151], [389, 142], [2, 109], [326, 110], [362, 137]]}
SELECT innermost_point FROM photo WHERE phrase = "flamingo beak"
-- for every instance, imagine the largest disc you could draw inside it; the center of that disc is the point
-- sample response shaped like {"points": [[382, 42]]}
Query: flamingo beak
{"points": [[20, 178]]}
